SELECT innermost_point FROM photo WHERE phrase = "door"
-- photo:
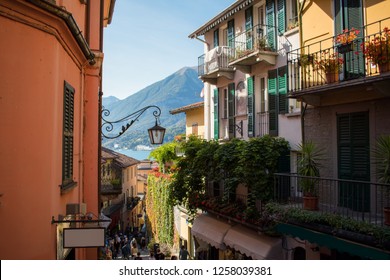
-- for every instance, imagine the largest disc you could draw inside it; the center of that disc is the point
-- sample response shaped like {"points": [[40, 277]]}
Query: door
{"points": [[354, 160]]}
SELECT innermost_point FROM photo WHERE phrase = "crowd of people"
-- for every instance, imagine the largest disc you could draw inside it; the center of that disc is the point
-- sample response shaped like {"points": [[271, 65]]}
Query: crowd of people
{"points": [[124, 247]]}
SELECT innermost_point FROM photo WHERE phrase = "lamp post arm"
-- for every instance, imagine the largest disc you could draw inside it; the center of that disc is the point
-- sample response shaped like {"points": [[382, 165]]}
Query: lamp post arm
{"points": [[108, 126]]}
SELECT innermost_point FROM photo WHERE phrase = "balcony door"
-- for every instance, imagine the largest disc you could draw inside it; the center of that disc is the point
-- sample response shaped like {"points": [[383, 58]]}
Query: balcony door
{"points": [[349, 14], [354, 160]]}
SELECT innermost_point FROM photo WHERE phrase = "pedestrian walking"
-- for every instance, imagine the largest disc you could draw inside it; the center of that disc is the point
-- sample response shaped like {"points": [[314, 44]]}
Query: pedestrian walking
{"points": [[134, 250], [183, 254], [143, 243]]}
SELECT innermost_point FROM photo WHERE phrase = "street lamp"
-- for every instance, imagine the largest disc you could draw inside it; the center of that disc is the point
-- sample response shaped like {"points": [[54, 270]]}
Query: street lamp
{"points": [[156, 133]]}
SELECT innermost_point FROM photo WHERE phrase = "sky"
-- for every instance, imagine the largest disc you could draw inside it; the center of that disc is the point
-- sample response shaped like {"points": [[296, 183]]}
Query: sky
{"points": [[148, 40]]}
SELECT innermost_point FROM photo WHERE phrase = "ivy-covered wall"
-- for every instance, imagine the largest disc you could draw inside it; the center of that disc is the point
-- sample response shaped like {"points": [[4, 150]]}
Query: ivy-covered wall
{"points": [[159, 207]]}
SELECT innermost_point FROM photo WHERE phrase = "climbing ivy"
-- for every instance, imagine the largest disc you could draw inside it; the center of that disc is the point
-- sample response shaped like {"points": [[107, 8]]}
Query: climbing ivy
{"points": [[159, 206]]}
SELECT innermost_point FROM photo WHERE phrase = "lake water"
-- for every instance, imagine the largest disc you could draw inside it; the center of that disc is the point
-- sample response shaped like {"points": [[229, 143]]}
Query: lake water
{"points": [[140, 155]]}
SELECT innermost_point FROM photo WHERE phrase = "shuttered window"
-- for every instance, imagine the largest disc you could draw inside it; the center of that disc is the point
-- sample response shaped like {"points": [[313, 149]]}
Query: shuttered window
{"points": [[282, 90], [270, 18], [272, 102], [277, 97], [67, 148], [251, 109], [354, 159], [349, 14], [231, 110], [281, 11], [249, 27], [216, 114]]}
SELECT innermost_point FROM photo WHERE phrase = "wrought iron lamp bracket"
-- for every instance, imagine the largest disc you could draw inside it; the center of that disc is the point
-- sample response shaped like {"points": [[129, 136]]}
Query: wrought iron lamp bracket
{"points": [[108, 126]]}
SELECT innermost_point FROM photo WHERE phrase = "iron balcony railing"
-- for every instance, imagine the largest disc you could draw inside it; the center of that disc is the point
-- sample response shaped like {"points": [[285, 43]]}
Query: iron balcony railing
{"points": [[214, 60], [253, 40], [363, 53], [107, 187], [359, 200]]}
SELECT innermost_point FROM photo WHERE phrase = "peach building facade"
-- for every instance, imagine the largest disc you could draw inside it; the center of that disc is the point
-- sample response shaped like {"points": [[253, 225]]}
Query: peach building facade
{"points": [[51, 54]]}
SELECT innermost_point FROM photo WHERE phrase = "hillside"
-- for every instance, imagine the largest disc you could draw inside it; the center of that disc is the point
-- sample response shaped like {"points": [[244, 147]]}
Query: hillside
{"points": [[181, 88]]}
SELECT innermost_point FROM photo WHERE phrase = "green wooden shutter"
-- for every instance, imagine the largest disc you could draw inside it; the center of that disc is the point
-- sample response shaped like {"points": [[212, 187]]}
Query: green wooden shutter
{"points": [[348, 14], [67, 148], [216, 114], [251, 107], [230, 34], [249, 28], [282, 90], [272, 102], [354, 160], [216, 38], [283, 190], [354, 62], [281, 16], [231, 110], [270, 18]]}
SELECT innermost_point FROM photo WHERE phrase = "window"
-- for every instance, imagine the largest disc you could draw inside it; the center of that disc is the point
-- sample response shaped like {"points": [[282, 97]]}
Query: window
{"points": [[251, 106], [67, 140], [225, 104], [292, 14], [216, 114], [277, 97], [232, 110], [216, 38]]}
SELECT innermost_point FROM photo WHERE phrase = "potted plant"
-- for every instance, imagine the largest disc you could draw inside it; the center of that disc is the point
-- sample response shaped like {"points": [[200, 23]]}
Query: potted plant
{"points": [[344, 40], [308, 166], [305, 60], [378, 50], [330, 64], [382, 161]]}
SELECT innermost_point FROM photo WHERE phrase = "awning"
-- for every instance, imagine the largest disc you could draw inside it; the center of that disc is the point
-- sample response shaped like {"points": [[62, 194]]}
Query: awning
{"points": [[210, 230], [257, 246], [333, 242]]}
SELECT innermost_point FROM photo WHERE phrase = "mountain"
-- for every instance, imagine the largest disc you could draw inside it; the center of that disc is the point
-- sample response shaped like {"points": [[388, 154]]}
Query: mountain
{"points": [[179, 89]]}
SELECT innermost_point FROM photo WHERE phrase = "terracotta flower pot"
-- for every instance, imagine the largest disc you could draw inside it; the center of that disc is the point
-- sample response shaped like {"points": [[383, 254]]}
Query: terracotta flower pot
{"points": [[310, 203], [331, 77]]}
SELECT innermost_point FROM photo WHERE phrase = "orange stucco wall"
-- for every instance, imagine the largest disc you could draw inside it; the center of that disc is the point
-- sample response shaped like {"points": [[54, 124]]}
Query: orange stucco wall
{"points": [[38, 53]]}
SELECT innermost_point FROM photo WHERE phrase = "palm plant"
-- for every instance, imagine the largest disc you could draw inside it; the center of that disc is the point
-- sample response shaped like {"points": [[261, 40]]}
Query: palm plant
{"points": [[382, 159], [308, 166]]}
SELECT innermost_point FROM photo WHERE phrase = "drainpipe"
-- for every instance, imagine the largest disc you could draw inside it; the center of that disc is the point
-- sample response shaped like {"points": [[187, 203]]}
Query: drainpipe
{"points": [[303, 106], [70, 22]]}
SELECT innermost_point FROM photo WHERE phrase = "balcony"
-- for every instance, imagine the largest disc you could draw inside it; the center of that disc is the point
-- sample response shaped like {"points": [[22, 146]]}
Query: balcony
{"points": [[111, 187], [253, 46], [357, 200], [214, 64], [132, 202], [233, 207], [328, 72]]}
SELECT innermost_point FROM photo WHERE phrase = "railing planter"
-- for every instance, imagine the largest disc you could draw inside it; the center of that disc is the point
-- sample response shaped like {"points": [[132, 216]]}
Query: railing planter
{"points": [[345, 48], [331, 77]]}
